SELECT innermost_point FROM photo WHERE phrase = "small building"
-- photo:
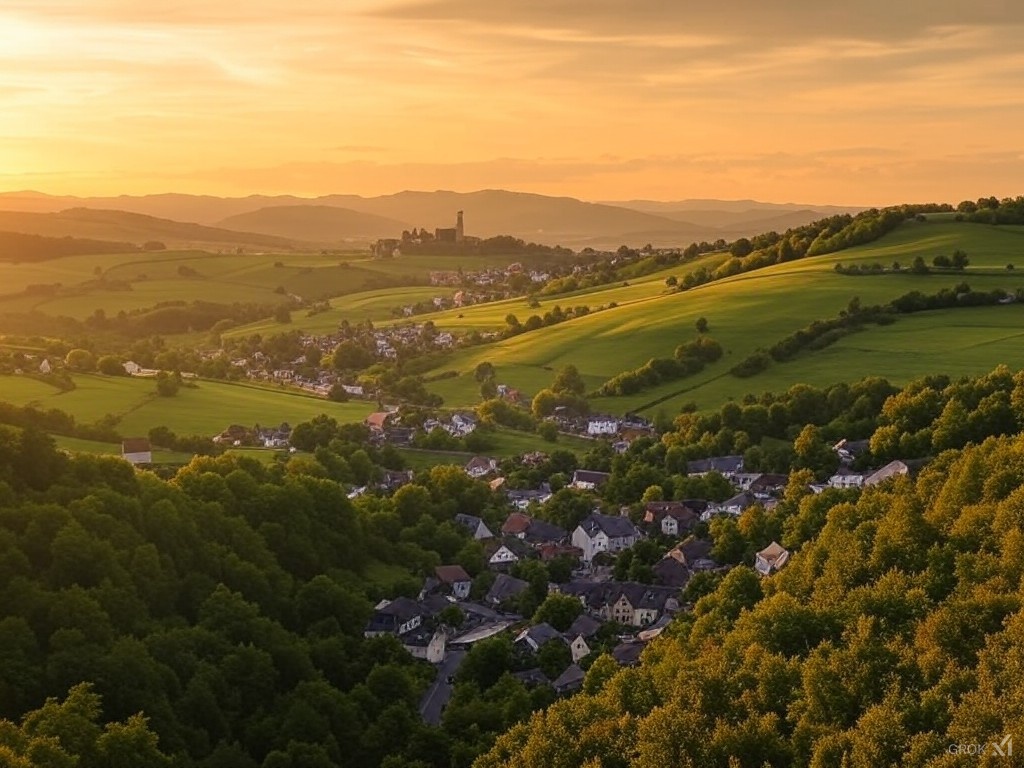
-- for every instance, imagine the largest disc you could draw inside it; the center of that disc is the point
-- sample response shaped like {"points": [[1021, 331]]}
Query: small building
{"points": [[537, 636], [137, 450], [602, 426], [895, 468], [480, 466], [588, 480], [771, 559], [726, 466], [846, 478], [569, 681], [505, 588], [474, 525], [395, 617], [455, 578]]}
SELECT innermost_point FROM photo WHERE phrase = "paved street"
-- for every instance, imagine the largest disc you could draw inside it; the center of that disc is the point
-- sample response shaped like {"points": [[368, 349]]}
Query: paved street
{"points": [[440, 690]]}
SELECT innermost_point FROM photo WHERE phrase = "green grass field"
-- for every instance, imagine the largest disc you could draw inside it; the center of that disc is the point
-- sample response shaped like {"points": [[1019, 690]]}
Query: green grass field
{"points": [[754, 310], [204, 410], [221, 277]]}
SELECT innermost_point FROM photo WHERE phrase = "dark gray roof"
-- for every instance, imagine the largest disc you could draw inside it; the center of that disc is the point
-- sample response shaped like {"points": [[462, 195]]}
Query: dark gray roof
{"points": [[584, 625], [721, 464], [695, 549], [598, 594], [669, 572], [570, 680], [628, 654], [543, 633], [614, 526], [742, 500], [394, 614], [505, 587], [590, 476], [541, 531]]}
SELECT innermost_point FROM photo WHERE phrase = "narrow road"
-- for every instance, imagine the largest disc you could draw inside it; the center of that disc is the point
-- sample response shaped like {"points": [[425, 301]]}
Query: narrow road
{"points": [[434, 700]]}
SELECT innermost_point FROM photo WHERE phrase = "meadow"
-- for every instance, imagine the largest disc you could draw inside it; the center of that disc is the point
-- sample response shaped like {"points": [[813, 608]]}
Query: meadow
{"points": [[754, 310], [126, 282], [204, 410]]}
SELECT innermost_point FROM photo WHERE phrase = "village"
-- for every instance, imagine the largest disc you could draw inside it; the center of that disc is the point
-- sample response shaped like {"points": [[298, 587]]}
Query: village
{"points": [[616, 614]]}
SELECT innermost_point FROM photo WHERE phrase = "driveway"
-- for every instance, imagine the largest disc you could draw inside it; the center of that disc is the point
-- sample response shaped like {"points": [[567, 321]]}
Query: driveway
{"points": [[440, 691]]}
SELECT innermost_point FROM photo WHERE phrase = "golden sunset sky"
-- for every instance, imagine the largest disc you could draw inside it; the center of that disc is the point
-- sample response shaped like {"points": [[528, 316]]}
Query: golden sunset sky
{"points": [[820, 101]]}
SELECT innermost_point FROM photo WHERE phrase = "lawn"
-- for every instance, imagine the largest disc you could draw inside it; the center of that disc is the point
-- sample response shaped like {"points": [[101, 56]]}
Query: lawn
{"points": [[77, 445], [752, 311], [206, 409]]}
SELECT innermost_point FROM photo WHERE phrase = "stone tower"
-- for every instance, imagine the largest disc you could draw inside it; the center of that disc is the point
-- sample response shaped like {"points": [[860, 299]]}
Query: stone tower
{"points": [[458, 228]]}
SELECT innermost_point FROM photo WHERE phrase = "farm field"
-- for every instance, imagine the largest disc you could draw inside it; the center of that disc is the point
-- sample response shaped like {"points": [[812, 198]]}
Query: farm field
{"points": [[204, 410], [751, 311]]}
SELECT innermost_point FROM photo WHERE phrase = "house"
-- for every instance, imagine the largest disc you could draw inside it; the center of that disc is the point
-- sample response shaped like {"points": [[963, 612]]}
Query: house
{"points": [[569, 681], [45, 367], [507, 552], [550, 552], [455, 578], [588, 480], [537, 636], [770, 559], [395, 617], [602, 425], [732, 506], [480, 466], [393, 479], [516, 524], [377, 421], [672, 517], [849, 450], [137, 450], [655, 629], [505, 588], [846, 478], [768, 484], [604, 533], [694, 553], [895, 468], [743, 480], [580, 631], [462, 424], [426, 645], [353, 389], [628, 654], [522, 498], [474, 525], [540, 532], [727, 466], [624, 602], [132, 368], [669, 572]]}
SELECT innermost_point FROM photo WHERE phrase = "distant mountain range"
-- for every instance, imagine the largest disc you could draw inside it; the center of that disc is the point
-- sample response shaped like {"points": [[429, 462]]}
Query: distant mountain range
{"points": [[280, 220]]}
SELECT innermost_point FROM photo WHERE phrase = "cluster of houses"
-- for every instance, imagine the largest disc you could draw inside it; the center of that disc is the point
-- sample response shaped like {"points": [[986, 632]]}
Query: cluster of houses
{"points": [[263, 437]]}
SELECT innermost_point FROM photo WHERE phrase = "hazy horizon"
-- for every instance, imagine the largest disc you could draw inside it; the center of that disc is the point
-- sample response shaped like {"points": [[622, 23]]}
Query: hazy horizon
{"points": [[866, 104]]}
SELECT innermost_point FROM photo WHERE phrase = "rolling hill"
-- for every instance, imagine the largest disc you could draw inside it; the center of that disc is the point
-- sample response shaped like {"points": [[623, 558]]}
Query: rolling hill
{"points": [[130, 227], [314, 223], [16, 247], [540, 218], [751, 311]]}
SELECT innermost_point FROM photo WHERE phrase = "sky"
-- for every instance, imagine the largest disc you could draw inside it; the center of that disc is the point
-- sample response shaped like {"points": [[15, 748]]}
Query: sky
{"points": [[818, 101]]}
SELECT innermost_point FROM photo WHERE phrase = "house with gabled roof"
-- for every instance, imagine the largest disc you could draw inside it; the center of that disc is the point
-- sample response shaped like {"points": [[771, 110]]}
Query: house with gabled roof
{"points": [[895, 468], [732, 506], [480, 466], [604, 533], [537, 636], [588, 480], [570, 681], [671, 517], [455, 579], [771, 559], [845, 477], [584, 628], [137, 450], [505, 588], [474, 525], [395, 617], [727, 466]]}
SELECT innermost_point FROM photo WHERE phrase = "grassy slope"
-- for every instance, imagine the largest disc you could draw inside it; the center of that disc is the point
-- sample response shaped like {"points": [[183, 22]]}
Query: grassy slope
{"points": [[755, 310], [77, 445], [205, 410]]}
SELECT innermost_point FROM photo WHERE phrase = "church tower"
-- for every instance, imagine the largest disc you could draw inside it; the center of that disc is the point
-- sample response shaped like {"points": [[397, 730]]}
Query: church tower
{"points": [[458, 228]]}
